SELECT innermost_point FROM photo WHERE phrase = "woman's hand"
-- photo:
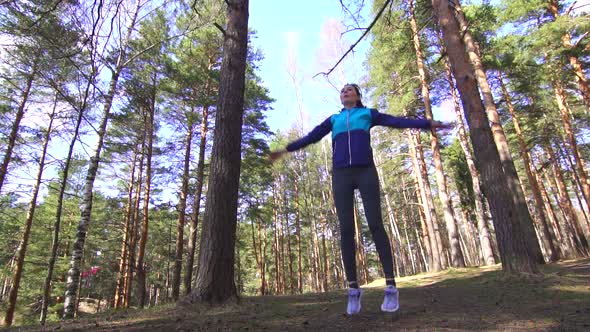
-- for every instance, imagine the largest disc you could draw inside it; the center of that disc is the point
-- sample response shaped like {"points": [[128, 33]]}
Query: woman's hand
{"points": [[275, 155], [441, 125]]}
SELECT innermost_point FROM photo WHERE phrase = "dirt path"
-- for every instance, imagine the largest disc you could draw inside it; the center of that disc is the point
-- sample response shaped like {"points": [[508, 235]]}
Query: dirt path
{"points": [[475, 299]]}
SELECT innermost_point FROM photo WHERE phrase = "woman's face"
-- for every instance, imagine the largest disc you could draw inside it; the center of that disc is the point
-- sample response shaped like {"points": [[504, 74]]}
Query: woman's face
{"points": [[348, 95]]}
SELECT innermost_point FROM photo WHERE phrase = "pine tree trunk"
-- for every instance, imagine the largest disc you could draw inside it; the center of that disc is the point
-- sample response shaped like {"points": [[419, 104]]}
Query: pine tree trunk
{"points": [[512, 178], [134, 231], [16, 124], [572, 241], [514, 249], [421, 214], [192, 244], [182, 210], [22, 247], [59, 207], [577, 66], [565, 203], [124, 256], [215, 279], [140, 266], [436, 253], [275, 242], [363, 276], [262, 250], [526, 159], [564, 153], [448, 213], [325, 285], [86, 208], [565, 245], [73, 278], [482, 225], [571, 138], [298, 238]]}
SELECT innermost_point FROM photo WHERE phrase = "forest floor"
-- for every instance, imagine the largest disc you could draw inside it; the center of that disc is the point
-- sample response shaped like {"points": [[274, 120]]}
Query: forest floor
{"points": [[470, 299]]}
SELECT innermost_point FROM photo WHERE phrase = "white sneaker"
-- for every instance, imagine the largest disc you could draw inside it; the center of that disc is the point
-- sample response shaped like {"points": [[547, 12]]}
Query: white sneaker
{"points": [[391, 299], [354, 301]]}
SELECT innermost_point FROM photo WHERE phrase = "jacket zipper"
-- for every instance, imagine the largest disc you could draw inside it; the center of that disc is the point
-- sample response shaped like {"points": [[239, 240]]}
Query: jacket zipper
{"points": [[348, 130]]}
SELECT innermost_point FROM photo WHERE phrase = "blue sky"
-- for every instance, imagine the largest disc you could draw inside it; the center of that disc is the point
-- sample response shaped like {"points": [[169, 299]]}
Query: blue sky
{"points": [[296, 30], [293, 30]]}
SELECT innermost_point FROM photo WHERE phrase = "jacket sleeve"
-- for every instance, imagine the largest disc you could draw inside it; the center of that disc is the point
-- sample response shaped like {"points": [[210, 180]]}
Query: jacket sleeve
{"points": [[382, 119], [315, 135]]}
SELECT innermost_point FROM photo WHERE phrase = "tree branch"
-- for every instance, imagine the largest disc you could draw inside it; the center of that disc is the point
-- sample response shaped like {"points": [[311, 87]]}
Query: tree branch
{"points": [[358, 41], [567, 12], [219, 27]]}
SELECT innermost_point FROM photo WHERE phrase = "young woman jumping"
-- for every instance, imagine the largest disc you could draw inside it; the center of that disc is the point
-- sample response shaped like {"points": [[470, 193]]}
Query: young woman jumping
{"points": [[353, 168]]}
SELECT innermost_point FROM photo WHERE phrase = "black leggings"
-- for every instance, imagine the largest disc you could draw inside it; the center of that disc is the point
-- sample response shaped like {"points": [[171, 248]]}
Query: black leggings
{"points": [[344, 182]]}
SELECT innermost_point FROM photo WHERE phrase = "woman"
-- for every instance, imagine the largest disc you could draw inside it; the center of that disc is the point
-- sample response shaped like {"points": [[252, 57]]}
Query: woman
{"points": [[353, 168]]}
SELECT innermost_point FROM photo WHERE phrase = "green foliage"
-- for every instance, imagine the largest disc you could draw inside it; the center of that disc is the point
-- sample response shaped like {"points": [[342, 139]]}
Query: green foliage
{"points": [[456, 165]]}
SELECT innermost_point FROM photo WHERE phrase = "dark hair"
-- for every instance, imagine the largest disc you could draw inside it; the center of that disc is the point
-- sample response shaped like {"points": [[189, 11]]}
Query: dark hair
{"points": [[359, 103]]}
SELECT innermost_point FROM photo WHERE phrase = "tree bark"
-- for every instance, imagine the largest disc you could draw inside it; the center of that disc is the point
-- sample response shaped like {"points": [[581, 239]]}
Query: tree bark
{"points": [[16, 124], [60, 199], [140, 266], [22, 248], [515, 252], [192, 243], [457, 259], [576, 64], [436, 253], [134, 231], [482, 225], [215, 279], [571, 138], [182, 210], [552, 253], [125, 245], [86, 208], [499, 136], [570, 218]]}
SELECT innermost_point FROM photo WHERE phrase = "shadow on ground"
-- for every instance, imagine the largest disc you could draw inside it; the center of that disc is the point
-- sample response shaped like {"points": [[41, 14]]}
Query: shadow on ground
{"points": [[472, 299]]}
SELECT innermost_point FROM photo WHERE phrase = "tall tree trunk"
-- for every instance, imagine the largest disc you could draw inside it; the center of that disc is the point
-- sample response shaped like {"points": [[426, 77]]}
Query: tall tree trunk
{"points": [[86, 208], [275, 233], [526, 159], [576, 64], [426, 230], [22, 247], [60, 199], [512, 178], [565, 203], [298, 239], [421, 159], [134, 231], [480, 215], [73, 278], [215, 279], [192, 242], [438, 257], [361, 257], [449, 216], [565, 246], [515, 252], [182, 209], [571, 138], [564, 153], [125, 249], [16, 124], [140, 266]]}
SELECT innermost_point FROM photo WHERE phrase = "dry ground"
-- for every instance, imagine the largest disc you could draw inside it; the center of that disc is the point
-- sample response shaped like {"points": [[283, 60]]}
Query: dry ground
{"points": [[472, 299]]}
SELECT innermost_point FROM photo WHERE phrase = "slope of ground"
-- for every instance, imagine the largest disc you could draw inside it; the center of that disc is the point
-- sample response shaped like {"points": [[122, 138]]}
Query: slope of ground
{"points": [[472, 299]]}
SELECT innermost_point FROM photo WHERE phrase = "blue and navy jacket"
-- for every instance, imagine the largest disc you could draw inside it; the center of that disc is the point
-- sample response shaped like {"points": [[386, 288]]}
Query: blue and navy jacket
{"points": [[351, 140]]}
